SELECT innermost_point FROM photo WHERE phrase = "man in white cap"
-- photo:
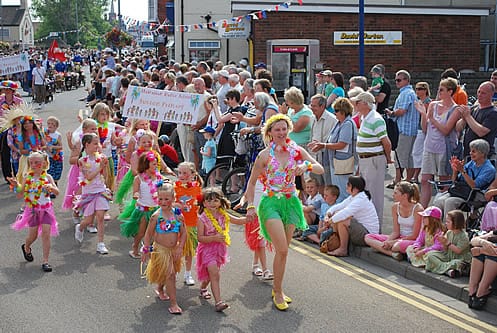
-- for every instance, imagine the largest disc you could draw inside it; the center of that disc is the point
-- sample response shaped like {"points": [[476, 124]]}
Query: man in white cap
{"points": [[373, 148], [223, 76]]}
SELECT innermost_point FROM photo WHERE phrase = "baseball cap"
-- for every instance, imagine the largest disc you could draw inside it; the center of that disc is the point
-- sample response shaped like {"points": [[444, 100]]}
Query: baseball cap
{"points": [[224, 73], [364, 97], [326, 73], [208, 129], [260, 65], [432, 211], [243, 62]]}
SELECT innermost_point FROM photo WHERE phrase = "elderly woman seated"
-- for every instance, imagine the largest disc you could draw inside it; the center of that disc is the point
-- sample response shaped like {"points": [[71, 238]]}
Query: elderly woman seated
{"points": [[477, 173], [483, 269]]}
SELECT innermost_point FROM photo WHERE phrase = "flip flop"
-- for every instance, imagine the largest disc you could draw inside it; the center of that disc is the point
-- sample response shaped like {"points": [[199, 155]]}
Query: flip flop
{"points": [[27, 256], [174, 312], [163, 297]]}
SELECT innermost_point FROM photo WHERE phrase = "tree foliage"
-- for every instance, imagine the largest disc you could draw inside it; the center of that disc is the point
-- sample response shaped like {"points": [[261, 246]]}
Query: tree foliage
{"points": [[60, 15]]}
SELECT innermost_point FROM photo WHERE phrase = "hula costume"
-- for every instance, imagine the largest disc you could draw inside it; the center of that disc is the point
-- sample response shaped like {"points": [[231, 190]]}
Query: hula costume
{"points": [[213, 253], [162, 263], [126, 185], [187, 194], [38, 209], [71, 188], [279, 200], [144, 207]]}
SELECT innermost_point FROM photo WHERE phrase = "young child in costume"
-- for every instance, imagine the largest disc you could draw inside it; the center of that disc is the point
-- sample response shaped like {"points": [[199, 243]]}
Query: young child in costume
{"points": [[30, 140], [145, 142], [188, 189], [213, 235], [39, 215], [167, 229], [428, 238], [209, 150], [54, 148], [94, 194], [87, 126], [456, 257], [122, 140], [136, 215]]}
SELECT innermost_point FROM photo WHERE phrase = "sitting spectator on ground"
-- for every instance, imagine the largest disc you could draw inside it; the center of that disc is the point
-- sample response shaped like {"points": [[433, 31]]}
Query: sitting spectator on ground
{"points": [[312, 204], [483, 269], [322, 231], [455, 258], [406, 222], [354, 217], [428, 238]]}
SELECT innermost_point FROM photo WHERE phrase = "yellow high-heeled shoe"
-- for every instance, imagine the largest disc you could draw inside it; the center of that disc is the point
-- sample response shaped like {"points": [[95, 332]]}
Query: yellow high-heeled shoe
{"points": [[280, 306], [287, 299]]}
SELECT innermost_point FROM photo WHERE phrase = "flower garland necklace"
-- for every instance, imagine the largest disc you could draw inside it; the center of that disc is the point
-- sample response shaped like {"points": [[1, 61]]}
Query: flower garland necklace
{"points": [[179, 183], [87, 165], [35, 187], [103, 131], [215, 224], [153, 185]]}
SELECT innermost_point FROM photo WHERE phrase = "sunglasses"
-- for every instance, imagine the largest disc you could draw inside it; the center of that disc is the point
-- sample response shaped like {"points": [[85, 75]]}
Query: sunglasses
{"points": [[399, 80], [420, 88]]}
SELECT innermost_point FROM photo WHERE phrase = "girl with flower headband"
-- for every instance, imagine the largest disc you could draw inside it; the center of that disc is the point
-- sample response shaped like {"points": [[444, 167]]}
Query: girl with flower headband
{"points": [[145, 141], [30, 140], [188, 188], [136, 125], [39, 215], [167, 229], [72, 189], [280, 211], [137, 213], [213, 235], [94, 194]]}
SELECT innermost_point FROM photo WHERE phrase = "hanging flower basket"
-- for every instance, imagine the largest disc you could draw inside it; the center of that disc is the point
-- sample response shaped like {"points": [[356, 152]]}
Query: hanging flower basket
{"points": [[118, 38], [4, 45]]}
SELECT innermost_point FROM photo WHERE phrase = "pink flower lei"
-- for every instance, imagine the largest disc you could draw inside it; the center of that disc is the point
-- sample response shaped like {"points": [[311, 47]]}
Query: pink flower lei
{"points": [[153, 184]]}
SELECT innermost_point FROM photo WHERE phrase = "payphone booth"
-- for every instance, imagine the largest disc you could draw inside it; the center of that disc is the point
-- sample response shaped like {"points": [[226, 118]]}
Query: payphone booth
{"points": [[291, 62]]}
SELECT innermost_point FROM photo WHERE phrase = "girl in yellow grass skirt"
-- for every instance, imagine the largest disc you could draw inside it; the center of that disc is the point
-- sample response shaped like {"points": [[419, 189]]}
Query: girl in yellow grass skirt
{"points": [[167, 229]]}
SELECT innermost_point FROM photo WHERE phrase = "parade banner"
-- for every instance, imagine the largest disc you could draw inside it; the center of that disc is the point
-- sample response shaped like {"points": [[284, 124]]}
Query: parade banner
{"points": [[14, 64], [162, 105]]}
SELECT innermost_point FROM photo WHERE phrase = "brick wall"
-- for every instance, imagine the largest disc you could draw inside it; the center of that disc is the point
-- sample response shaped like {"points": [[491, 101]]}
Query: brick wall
{"points": [[428, 42]]}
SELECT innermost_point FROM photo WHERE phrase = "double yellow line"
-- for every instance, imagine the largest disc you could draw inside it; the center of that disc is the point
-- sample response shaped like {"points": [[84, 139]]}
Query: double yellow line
{"points": [[421, 302]]}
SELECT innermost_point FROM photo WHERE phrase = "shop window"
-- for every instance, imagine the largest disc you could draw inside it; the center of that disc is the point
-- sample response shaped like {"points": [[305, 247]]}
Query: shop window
{"points": [[201, 50]]}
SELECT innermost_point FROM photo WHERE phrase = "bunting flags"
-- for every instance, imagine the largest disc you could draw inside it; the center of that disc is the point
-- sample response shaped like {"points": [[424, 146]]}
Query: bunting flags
{"points": [[156, 29]]}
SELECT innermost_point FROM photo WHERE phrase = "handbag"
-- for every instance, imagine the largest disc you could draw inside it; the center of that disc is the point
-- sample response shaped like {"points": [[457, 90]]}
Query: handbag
{"points": [[345, 167], [460, 189], [331, 244]]}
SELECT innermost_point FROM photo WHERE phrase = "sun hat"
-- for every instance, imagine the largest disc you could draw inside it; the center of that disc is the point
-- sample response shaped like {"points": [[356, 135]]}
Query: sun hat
{"points": [[432, 211], [8, 84], [365, 97]]}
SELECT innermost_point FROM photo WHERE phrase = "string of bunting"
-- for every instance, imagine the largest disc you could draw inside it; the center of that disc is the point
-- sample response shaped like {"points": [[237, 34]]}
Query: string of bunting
{"points": [[57, 34], [156, 28]]}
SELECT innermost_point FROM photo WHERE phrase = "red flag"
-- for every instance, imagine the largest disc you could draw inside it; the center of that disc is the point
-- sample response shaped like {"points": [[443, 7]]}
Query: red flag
{"points": [[54, 52]]}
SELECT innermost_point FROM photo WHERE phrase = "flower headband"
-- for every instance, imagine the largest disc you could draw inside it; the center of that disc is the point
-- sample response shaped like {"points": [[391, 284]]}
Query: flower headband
{"points": [[140, 133], [151, 156]]}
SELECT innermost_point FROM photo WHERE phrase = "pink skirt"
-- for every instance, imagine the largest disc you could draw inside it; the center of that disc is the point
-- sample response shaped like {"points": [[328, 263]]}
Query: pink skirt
{"points": [[122, 168], [72, 187], [37, 217], [208, 254]]}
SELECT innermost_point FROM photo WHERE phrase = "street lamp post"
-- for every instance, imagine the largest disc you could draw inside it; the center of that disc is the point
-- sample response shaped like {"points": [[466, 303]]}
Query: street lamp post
{"points": [[77, 22]]}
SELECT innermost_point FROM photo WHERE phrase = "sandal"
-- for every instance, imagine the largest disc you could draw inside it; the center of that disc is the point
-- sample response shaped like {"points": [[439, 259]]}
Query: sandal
{"points": [[27, 256], [205, 294], [267, 275], [221, 306], [256, 270]]}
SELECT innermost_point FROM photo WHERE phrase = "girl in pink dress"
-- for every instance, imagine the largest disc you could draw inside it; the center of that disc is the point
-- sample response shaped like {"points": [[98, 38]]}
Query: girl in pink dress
{"points": [[213, 235], [39, 215], [95, 195]]}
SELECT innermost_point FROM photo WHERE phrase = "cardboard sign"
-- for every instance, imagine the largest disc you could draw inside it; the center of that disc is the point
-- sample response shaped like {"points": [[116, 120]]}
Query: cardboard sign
{"points": [[14, 64], [162, 105]]}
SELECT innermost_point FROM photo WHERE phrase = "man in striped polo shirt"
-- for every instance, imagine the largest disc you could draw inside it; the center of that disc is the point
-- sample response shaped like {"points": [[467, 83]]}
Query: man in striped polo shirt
{"points": [[373, 148]]}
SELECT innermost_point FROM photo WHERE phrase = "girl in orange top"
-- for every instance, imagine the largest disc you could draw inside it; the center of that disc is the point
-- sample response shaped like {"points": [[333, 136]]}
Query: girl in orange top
{"points": [[188, 188]]}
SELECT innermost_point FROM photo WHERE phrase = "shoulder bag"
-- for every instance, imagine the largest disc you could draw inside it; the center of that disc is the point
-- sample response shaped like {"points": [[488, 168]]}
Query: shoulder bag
{"points": [[346, 166]]}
